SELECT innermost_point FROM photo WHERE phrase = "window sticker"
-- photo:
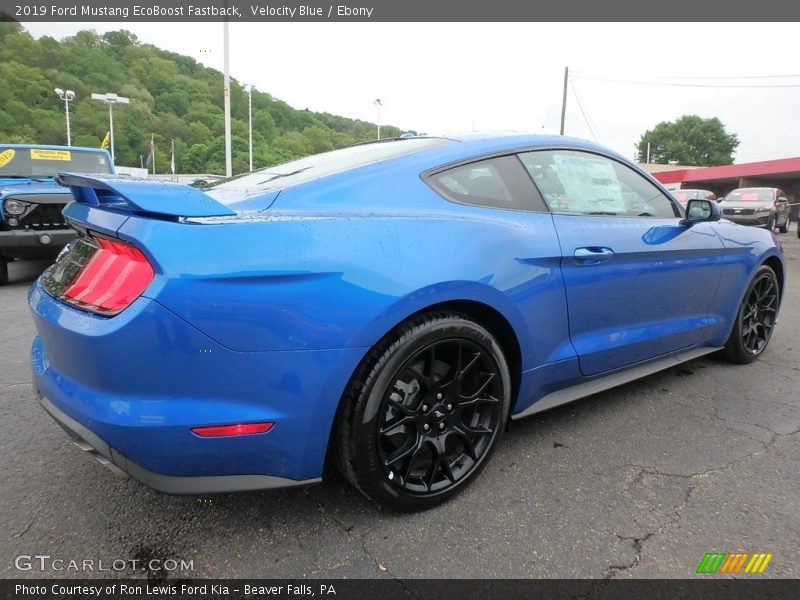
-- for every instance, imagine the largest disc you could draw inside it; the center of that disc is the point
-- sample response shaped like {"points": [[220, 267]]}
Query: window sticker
{"points": [[590, 183], [42, 154], [6, 156]]}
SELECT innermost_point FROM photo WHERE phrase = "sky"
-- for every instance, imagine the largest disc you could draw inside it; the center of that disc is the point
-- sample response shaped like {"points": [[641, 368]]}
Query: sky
{"points": [[440, 78]]}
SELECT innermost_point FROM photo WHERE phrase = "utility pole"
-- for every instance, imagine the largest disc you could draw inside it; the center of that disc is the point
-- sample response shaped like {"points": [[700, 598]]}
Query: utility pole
{"points": [[564, 99]]}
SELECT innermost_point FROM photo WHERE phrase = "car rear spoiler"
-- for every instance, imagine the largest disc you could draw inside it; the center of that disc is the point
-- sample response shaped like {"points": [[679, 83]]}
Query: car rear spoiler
{"points": [[142, 195]]}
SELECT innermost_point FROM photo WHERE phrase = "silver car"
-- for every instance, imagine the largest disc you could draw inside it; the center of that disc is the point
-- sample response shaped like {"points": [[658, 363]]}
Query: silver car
{"points": [[762, 207]]}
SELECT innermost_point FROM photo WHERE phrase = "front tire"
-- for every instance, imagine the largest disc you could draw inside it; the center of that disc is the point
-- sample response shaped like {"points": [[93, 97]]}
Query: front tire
{"points": [[785, 227], [755, 319], [423, 413], [3, 271]]}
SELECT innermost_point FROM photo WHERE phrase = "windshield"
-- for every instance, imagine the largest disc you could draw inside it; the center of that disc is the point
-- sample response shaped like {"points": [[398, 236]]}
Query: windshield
{"points": [[48, 162], [318, 165], [750, 195]]}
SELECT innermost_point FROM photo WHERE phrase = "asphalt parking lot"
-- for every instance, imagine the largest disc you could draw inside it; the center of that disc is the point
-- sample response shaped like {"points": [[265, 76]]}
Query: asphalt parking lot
{"points": [[640, 481]]}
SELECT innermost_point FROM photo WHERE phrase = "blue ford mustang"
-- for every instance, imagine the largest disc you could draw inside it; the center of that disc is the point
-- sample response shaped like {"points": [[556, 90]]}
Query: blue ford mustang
{"points": [[388, 306]]}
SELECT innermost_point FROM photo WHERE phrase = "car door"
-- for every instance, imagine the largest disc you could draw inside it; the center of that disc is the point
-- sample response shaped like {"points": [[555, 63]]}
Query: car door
{"points": [[639, 282]]}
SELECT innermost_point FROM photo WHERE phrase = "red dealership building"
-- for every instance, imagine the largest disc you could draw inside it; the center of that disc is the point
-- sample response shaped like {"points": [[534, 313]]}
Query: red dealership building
{"points": [[781, 173]]}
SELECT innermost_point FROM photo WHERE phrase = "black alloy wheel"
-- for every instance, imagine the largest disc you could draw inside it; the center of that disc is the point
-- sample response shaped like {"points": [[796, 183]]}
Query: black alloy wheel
{"points": [[755, 319], [440, 416], [428, 414]]}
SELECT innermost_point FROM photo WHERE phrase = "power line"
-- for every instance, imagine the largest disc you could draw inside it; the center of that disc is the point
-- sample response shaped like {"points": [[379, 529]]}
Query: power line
{"points": [[691, 85], [704, 77], [583, 112], [549, 112]]}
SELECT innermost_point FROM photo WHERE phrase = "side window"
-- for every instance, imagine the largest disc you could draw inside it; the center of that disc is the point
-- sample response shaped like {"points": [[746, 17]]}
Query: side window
{"points": [[498, 182], [582, 183]]}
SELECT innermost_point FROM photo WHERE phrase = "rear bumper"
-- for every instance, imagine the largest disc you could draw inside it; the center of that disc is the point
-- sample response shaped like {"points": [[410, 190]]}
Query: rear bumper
{"points": [[29, 243], [108, 456], [27, 238], [133, 386]]}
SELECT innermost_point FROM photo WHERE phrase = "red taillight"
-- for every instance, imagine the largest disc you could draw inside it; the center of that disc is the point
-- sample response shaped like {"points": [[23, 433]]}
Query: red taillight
{"points": [[113, 278], [232, 430]]}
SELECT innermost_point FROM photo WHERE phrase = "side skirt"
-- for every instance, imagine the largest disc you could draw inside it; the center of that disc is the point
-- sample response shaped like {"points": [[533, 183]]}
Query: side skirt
{"points": [[601, 384]]}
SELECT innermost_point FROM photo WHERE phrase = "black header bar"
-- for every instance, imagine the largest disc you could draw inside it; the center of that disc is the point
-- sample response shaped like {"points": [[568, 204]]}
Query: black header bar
{"points": [[403, 11], [710, 588]]}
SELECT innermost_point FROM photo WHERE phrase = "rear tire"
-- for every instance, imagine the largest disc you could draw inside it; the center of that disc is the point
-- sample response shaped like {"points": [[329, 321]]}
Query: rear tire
{"points": [[755, 318], [423, 413]]}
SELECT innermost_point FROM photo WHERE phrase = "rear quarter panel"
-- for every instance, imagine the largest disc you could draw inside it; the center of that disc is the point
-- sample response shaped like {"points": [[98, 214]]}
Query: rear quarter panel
{"points": [[290, 280]]}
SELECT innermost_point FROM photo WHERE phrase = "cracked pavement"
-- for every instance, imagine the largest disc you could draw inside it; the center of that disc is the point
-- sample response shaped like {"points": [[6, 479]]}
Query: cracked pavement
{"points": [[640, 481]]}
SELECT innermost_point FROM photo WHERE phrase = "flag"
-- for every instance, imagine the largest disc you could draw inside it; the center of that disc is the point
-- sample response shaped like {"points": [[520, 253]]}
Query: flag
{"points": [[172, 160], [151, 154], [105, 144]]}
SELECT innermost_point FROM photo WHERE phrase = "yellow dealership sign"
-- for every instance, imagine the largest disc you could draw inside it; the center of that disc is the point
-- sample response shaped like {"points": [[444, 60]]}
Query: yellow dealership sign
{"points": [[42, 154]]}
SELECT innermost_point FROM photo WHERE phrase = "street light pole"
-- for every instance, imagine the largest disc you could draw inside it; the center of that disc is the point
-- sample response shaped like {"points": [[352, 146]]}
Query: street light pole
{"points": [[227, 96], [111, 128], [564, 99], [111, 100], [378, 104], [66, 96], [250, 121]]}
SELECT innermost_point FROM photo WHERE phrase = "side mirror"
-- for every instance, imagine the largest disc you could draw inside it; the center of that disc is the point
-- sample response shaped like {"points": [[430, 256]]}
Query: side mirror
{"points": [[702, 210]]}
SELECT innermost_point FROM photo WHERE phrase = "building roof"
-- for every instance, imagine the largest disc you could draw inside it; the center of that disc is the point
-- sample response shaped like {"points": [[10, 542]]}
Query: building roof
{"points": [[787, 168]]}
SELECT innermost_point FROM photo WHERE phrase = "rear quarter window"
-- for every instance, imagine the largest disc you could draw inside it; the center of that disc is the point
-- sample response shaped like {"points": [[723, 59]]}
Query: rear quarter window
{"points": [[499, 182]]}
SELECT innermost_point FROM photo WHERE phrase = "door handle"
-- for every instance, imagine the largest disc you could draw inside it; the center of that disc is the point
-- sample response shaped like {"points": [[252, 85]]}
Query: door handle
{"points": [[593, 255]]}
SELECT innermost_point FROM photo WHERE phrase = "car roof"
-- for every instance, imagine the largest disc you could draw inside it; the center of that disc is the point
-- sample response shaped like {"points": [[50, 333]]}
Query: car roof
{"points": [[468, 145], [515, 140]]}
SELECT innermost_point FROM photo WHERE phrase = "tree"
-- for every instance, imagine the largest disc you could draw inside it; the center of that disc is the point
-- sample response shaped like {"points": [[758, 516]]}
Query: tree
{"points": [[690, 140]]}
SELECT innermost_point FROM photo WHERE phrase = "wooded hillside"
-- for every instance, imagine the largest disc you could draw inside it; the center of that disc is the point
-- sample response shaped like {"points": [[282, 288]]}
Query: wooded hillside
{"points": [[171, 96]]}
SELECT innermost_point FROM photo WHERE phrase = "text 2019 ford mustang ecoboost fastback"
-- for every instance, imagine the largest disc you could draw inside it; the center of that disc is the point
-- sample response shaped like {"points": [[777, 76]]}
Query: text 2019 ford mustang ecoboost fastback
{"points": [[389, 305]]}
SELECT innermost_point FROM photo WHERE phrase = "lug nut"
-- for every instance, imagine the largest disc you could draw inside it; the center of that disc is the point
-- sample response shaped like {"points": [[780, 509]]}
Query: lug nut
{"points": [[449, 407], [441, 426], [424, 408], [426, 427], [439, 396]]}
